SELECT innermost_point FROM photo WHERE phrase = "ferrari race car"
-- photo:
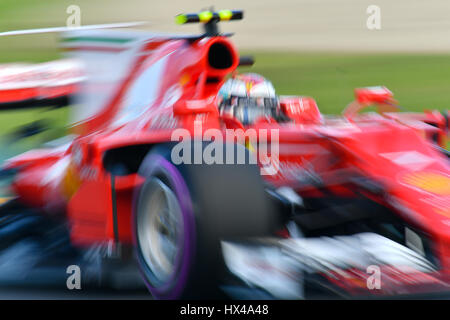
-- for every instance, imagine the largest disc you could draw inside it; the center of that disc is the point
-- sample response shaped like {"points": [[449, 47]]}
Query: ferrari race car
{"points": [[356, 204]]}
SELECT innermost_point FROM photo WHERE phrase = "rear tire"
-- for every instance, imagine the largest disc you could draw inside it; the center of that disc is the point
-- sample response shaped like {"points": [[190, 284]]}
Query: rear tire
{"points": [[182, 212]]}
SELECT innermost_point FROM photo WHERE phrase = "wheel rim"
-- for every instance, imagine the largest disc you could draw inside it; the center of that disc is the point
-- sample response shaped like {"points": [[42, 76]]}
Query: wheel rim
{"points": [[160, 230]]}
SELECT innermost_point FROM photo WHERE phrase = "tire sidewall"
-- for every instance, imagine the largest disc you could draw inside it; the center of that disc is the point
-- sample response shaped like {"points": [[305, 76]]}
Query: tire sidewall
{"points": [[157, 165]]}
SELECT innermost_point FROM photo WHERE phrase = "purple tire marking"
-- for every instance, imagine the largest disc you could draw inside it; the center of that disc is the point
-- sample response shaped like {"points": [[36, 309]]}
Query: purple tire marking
{"points": [[176, 283]]}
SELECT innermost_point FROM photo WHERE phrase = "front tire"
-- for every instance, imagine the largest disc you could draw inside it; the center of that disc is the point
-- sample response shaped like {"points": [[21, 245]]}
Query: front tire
{"points": [[182, 212]]}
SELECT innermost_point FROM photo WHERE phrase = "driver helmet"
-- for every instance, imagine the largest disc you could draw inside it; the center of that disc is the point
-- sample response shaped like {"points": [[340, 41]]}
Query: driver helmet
{"points": [[248, 97]]}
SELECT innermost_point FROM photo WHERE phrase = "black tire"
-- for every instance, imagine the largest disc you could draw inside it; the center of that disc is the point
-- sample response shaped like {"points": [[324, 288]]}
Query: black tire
{"points": [[217, 201]]}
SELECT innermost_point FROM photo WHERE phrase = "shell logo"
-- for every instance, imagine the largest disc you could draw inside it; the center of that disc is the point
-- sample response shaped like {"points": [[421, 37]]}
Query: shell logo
{"points": [[437, 183], [184, 79], [71, 182]]}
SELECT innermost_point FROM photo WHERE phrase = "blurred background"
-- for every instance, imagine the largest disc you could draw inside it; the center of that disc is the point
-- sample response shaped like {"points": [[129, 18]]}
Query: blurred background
{"points": [[321, 48], [317, 48]]}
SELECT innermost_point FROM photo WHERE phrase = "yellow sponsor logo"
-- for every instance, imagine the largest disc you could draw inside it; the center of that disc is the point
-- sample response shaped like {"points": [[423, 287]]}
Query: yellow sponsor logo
{"points": [[249, 86], [4, 199], [71, 182], [184, 79], [433, 182]]}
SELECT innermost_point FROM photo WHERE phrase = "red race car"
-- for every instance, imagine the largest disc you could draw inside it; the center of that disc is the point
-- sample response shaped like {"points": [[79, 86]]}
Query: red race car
{"points": [[203, 175]]}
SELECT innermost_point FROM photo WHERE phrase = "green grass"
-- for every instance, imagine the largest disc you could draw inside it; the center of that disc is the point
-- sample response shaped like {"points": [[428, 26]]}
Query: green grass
{"points": [[418, 81], [12, 120]]}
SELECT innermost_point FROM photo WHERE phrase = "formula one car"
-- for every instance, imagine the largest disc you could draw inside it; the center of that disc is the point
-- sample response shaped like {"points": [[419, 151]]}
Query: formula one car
{"points": [[204, 199]]}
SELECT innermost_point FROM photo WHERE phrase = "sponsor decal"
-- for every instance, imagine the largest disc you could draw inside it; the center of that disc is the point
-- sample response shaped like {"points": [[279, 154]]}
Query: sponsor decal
{"points": [[436, 184], [432, 182], [163, 121], [412, 160]]}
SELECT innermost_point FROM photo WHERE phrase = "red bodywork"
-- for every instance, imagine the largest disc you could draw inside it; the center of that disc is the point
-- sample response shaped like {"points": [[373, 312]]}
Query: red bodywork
{"points": [[394, 150]]}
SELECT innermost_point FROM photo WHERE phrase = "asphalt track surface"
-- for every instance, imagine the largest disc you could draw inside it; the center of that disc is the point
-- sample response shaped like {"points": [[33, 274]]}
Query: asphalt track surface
{"points": [[29, 272], [48, 294]]}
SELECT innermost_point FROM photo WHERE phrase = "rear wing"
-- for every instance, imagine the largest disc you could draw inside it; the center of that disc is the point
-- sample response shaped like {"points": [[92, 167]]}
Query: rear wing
{"points": [[37, 85]]}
